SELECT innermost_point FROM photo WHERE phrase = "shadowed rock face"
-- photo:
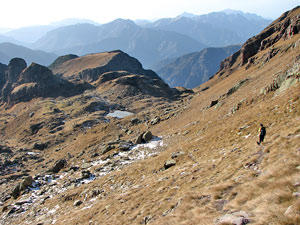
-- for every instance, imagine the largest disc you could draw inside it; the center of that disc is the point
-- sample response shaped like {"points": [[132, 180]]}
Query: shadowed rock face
{"points": [[23, 84], [15, 67], [3, 68]]}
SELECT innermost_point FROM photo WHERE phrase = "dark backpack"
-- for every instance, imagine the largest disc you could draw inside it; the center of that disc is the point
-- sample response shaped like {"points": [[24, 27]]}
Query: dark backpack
{"points": [[263, 131]]}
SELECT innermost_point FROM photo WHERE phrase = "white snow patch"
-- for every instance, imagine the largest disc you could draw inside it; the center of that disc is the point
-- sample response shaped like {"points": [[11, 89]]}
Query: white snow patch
{"points": [[156, 142], [52, 211]]}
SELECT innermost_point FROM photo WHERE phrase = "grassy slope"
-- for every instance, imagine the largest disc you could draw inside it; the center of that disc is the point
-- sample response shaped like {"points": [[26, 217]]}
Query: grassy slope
{"points": [[217, 161]]}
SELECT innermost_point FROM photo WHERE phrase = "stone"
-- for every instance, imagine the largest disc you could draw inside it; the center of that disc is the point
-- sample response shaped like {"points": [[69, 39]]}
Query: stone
{"points": [[16, 191], [169, 163], [34, 128], [147, 136], [107, 149], [177, 154], [296, 194], [78, 203], [214, 102], [86, 165], [236, 218], [139, 139], [125, 146], [135, 121], [59, 164], [154, 121], [27, 182], [40, 146], [85, 174]]}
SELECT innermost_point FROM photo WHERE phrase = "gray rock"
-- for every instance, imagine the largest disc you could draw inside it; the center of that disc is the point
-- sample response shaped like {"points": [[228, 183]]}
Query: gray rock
{"points": [[139, 139], [27, 182], [135, 121], [107, 149], [154, 121], [236, 218], [147, 136], [125, 146], [58, 165], [40, 146], [296, 194], [169, 163], [85, 174], [86, 165], [177, 154]]}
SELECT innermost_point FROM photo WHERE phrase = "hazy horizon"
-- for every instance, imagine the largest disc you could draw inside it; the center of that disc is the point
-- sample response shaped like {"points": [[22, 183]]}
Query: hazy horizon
{"points": [[16, 14]]}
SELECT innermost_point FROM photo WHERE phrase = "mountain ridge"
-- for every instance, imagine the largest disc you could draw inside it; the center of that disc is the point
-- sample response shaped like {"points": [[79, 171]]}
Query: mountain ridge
{"points": [[193, 69]]}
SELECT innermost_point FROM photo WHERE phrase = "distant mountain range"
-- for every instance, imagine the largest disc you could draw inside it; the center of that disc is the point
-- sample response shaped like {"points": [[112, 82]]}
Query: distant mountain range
{"points": [[215, 29], [193, 69], [33, 33], [150, 42], [9, 51], [148, 45]]}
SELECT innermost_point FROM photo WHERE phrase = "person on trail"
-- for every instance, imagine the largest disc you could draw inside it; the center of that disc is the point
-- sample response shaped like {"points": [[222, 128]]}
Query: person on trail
{"points": [[262, 134]]}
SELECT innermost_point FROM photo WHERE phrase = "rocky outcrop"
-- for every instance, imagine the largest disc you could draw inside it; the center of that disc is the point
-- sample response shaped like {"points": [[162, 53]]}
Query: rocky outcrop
{"points": [[235, 218], [3, 69], [97, 64], [23, 84], [135, 85]]}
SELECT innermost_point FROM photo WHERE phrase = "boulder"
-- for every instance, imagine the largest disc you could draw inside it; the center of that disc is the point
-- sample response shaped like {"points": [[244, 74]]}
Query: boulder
{"points": [[34, 128], [78, 203], [236, 218], [40, 146], [125, 146], [154, 121], [59, 164], [107, 149], [169, 163], [27, 182], [147, 136], [86, 165], [139, 139]]}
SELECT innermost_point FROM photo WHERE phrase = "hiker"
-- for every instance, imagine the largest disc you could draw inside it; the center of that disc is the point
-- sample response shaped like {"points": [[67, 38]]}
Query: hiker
{"points": [[262, 134]]}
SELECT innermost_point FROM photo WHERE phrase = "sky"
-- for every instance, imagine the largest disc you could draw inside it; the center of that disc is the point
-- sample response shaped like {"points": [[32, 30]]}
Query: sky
{"points": [[20, 13]]}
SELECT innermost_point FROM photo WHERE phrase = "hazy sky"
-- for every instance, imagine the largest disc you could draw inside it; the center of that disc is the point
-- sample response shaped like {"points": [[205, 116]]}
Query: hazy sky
{"points": [[18, 13]]}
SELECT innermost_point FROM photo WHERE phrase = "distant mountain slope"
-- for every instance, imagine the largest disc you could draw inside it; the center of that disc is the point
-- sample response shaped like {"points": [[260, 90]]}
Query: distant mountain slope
{"points": [[29, 34], [33, 33], [4, 38], [9, 51], [215, 29], [193, 69], [148, 45]]}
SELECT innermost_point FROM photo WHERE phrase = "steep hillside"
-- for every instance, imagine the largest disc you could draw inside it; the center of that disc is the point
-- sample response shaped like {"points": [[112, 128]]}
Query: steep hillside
{"points": [[70, 161], [14, 51], [193, 69]]}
